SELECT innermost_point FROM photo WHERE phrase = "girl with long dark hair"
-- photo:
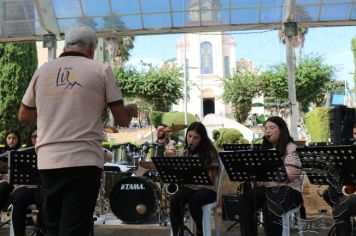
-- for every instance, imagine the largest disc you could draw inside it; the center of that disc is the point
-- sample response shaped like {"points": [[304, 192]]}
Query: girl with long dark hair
{"points": [[197, 144], [275, 198]]}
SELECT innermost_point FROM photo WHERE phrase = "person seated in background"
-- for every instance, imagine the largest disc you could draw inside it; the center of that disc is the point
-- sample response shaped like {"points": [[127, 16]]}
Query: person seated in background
{"points": [[342, 199], [12, 142], [23, 196], [354, 133], [163, 138], [275, 198], [197, 144]]}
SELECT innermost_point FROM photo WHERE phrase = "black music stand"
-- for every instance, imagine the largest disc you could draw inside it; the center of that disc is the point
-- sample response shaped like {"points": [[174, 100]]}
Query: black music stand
{"points": [[23, 167], [254, 166], [317, 161], [262, 166], [330, 165], [241, 147], [182, 170]]}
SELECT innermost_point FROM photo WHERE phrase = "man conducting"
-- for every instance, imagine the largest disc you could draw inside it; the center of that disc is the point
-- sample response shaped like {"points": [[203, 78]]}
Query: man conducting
{"points": [[67, 96]]}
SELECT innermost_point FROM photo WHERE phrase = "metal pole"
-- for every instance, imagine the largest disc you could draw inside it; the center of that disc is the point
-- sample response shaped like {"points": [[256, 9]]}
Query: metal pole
{"points": [[289, 10], [185, 82], [291, 89], [50, 42]]}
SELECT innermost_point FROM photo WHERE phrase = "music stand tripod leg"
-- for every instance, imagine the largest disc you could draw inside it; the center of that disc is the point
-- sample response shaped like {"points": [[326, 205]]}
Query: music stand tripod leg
{"points": [[232, 226], [185, 228]]}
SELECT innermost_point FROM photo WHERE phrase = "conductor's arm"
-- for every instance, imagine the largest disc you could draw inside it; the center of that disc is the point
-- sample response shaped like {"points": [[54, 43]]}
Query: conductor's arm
{"points": [[27, 114], [123, 114]]}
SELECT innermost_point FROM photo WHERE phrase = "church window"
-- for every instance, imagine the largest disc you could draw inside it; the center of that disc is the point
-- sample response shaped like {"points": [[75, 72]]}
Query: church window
{"points": [[206, 58]]}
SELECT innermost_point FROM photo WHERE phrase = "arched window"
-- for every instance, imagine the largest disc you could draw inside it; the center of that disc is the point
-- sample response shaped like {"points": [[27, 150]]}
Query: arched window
{"points": [[206, 58]]}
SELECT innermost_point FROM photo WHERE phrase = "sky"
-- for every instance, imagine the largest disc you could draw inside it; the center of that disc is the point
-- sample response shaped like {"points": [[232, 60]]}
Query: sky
{"points": [[262, 47]]}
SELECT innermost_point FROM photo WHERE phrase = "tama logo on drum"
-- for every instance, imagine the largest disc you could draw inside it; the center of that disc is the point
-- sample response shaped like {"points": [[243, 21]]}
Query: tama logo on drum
{"points": [[132, 187]]}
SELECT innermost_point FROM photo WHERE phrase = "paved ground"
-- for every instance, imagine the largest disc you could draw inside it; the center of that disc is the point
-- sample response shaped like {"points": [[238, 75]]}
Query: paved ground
{"points": [[113, 226]]}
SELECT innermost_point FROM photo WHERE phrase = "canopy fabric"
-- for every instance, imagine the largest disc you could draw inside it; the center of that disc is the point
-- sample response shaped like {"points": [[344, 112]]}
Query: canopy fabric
{"points": [[31, 19]]}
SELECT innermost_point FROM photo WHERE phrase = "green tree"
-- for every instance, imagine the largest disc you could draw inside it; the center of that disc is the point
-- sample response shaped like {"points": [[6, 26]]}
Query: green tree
{"points": [[157, 89], [18, 61], [239, 90], [313, 81]]}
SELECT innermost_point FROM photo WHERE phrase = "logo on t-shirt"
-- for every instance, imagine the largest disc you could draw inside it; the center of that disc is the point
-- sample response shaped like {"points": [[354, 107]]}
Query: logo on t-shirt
{"points": [[67, 77]]}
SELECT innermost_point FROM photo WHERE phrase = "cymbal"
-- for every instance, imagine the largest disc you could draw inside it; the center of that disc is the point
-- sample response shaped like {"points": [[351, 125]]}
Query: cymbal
{"points": [[108, 129], [178, 127], [168, 130]]}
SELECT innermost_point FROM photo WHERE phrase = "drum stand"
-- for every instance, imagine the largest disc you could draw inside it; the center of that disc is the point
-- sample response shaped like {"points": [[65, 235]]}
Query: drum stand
{"points": [[102, 208], [163, 205]]}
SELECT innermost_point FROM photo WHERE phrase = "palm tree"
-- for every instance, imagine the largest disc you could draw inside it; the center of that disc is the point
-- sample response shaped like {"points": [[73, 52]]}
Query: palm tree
{"points": [[119, 46], [298, 40]]}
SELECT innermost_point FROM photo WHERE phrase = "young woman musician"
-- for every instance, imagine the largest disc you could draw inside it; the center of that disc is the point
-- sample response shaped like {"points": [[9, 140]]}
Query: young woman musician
{"points": [[274, 198], [197, 144], [12, 142]]}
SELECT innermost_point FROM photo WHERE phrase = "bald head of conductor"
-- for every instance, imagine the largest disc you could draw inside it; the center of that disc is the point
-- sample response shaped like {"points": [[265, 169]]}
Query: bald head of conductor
{"points": [[81, 39]]}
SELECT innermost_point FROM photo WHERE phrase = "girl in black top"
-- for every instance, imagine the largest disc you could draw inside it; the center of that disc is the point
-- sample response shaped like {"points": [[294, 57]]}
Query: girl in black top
{"points": [[23, 196], [197, 144]]}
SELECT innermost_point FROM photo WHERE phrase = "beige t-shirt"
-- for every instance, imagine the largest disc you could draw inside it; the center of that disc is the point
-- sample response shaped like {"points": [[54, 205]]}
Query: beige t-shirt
{"points": [[69, 94]]}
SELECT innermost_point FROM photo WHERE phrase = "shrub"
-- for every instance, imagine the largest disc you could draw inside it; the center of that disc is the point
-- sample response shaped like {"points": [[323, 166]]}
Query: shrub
{"points": [[216, 134], [229, 135], [155, 118], [317, 123]]}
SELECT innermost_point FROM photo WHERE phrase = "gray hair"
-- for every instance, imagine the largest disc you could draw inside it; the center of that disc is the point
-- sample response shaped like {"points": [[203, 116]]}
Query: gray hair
{"points": [[80, 37]]}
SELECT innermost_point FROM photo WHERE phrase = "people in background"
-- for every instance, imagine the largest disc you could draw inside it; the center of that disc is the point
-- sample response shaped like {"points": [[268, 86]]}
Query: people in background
{"points": [[163, 138], [197, 144], [12, 142], [23, 196]]}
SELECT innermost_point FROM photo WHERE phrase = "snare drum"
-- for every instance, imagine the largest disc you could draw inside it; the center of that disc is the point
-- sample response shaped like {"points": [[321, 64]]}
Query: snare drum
{"points": [[149, 151], [134, 199], [123, 153]]}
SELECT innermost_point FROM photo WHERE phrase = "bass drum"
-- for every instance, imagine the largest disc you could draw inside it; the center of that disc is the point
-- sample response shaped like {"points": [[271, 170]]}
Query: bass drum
{"points": [[134, 199]]}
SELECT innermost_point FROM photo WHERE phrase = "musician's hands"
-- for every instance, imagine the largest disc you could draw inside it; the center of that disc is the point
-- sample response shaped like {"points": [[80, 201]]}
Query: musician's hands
{"points": [[213, 174]]}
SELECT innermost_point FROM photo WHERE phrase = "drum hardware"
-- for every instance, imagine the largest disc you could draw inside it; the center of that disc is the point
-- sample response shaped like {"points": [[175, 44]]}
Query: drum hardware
{"points": [[148, 151]]}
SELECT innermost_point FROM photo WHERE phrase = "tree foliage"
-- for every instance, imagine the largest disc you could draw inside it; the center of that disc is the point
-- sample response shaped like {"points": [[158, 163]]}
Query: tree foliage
{"points": [[18, 61], [313, 81], [157, 89], [119, 46], [239, 90]]}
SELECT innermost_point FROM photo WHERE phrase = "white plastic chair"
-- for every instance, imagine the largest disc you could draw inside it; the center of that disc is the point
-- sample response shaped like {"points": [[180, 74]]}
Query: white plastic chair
{"points": [[291, 214], [286, 221], [211, 207]]}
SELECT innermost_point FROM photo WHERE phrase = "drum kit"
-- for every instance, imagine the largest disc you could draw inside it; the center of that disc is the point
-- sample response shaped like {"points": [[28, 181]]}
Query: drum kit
{"points": [[132, 198]]}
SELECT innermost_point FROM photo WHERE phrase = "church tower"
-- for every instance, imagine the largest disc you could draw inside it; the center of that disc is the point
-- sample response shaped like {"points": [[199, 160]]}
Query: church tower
{"points": [[209, 57]]}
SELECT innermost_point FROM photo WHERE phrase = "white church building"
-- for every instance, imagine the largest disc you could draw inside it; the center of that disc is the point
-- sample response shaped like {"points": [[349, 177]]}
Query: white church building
{"points": [[208, 57]]}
